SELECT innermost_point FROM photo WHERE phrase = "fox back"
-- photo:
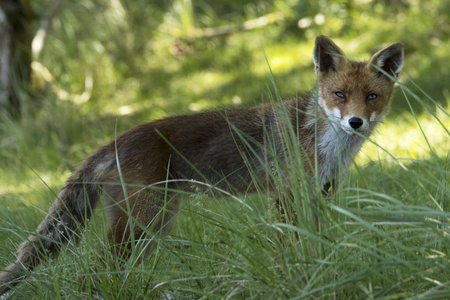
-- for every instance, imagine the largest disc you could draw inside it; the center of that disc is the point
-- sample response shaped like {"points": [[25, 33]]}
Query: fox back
{"points": [[226, 149]]}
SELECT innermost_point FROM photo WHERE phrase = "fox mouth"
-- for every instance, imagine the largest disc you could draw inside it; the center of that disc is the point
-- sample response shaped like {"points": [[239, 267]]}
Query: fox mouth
{"points": [[349, 131], [340, 125], [353, 131], [357, 132]]}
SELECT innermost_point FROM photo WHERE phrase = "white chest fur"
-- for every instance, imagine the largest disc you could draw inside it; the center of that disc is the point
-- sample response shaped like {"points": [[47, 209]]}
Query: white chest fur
{"points": [[337, 149]]}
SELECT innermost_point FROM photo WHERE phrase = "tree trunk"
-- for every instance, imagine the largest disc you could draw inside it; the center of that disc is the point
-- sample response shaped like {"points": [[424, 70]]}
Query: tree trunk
{"points": [[15, 53]]}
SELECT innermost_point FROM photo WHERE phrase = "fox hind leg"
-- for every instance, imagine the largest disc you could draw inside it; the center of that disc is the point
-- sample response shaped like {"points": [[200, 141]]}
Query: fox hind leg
{"points": [[137, 219]]}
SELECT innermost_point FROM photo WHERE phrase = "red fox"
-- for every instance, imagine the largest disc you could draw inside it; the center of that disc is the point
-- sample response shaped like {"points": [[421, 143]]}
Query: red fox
{"points": [[331, 123]]}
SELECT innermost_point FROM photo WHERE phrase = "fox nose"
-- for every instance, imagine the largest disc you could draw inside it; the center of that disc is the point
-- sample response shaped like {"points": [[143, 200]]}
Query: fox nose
{"points": [[355, 122]]}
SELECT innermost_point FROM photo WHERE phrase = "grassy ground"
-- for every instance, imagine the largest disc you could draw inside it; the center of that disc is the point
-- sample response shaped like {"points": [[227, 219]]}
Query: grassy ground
{"points": [[384, 235]]}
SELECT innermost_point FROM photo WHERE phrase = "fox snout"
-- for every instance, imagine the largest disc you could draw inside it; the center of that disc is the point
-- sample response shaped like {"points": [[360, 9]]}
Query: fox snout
{"points": [[355, 122], [350, 124]]}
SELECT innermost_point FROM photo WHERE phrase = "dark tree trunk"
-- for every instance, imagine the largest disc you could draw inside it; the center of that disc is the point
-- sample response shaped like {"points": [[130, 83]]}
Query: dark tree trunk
{"points": [[15, 53]]}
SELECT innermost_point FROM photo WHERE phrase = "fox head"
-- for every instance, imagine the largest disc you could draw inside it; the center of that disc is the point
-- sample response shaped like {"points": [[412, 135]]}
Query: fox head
{"points": [[356, 95]]}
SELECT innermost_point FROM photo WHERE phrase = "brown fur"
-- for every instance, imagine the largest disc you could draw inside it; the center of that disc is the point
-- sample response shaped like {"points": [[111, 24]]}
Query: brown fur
{"points": [[225, 148]]}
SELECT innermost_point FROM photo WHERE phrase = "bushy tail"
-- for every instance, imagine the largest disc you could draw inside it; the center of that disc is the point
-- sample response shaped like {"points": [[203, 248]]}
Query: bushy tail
{"points": [[68, 215]]}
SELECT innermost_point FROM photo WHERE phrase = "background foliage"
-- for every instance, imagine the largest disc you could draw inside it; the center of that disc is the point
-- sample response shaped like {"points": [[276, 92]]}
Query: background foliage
{"points": [[127, 62]]}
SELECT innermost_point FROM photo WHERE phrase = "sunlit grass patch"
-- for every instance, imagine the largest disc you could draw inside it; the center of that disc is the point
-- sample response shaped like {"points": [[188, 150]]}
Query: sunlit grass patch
{"points": [[402, 138], [284, 57]]}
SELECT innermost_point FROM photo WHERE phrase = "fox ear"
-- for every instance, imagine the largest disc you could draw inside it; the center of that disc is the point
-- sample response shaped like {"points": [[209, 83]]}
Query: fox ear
{"points": [[327, 55], [389, 59]]}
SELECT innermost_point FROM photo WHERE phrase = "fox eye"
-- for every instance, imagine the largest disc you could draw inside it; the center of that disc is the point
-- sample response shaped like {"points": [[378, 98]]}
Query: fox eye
{"points": [[372, 97], [340, 95]]}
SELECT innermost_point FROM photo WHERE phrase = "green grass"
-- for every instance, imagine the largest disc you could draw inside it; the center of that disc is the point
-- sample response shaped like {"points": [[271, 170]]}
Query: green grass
{"points": [[384, 235]]}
